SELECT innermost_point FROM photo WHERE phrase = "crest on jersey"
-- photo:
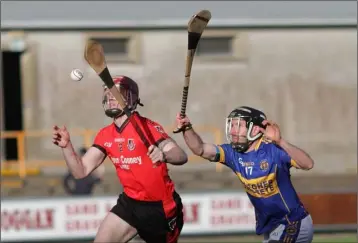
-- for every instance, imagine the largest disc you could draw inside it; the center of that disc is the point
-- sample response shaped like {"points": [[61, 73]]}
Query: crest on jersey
{"points": [[130, 144], [264, 165]]}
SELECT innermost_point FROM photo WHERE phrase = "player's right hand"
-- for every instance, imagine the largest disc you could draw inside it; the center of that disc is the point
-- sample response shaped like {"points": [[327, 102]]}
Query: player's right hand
{"points": [[182, 121], [60, 136]]}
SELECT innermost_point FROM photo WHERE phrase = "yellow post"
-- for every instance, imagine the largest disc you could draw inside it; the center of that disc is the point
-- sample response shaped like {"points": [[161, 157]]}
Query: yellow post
{"points": [[21, 154], [87, 138]]}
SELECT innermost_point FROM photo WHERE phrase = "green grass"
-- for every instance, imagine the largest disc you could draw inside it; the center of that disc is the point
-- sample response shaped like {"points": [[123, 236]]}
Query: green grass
{"points": [[335, 239], [318, 238]]}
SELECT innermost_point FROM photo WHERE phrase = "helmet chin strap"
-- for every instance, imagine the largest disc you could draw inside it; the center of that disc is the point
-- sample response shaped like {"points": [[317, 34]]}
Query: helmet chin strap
{"points": [[115, 113], [249, 133], [240, 147]]}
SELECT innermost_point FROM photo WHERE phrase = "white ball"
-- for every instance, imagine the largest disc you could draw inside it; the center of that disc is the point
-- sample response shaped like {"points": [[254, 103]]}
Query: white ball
{"points": [[76, 75]]}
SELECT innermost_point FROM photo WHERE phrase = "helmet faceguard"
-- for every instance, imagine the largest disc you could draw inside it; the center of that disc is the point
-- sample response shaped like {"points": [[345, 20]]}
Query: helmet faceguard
{"points": [[129, 91], [239, 127]]}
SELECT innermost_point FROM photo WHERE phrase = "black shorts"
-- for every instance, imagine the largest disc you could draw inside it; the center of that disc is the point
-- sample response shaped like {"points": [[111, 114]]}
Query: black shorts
{"points": [[149, 218]]}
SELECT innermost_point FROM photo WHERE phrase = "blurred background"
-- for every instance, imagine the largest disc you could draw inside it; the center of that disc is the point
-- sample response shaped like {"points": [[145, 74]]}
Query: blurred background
{"points": [[297, 61]]}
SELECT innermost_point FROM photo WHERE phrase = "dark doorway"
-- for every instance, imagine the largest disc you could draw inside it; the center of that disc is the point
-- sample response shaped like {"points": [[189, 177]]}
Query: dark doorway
{"points": [[12, 106]]}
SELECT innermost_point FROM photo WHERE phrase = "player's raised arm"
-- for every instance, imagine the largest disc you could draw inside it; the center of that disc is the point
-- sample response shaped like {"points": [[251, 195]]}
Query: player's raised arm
{"points": [[293, 155], [79, 167], [195, 143]]}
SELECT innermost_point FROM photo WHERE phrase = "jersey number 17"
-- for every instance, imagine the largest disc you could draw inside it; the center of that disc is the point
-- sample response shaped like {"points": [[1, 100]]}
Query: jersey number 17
{"points": [[248, 170]]}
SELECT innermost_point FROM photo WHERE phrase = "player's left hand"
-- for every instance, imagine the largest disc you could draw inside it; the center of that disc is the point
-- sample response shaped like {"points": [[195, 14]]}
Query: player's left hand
{"points": [[155, 154], [272, 131]]}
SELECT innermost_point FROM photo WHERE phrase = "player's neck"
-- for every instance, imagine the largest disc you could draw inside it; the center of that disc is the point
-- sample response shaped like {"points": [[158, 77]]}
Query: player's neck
{"points": [[253, 146], [120, 120]]}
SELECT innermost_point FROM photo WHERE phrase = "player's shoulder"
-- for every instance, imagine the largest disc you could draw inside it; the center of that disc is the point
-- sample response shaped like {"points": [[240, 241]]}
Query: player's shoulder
{"points": [[226, 147], [265, 144], [107, 129], [270, 148], [150, 122]]}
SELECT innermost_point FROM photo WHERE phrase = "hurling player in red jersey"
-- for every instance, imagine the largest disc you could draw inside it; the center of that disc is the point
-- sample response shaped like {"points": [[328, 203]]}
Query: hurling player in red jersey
{"points": [[149, 205]]}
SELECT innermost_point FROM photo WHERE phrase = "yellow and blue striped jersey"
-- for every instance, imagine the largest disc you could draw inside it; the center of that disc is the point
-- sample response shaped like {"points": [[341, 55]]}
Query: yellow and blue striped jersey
{"points": [[265, 174]]}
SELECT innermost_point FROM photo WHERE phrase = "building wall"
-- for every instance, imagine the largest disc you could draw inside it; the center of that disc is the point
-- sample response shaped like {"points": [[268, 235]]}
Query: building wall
{"points": [[305, 79], [119, 14]]}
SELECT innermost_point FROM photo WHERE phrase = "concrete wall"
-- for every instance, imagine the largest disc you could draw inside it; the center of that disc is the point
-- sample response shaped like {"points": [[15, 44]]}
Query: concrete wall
{"points": [[305, 79]]}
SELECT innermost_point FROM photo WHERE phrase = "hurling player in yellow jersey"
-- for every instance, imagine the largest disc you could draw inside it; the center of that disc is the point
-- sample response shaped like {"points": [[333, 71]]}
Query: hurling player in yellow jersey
{"points": [[262, 159]]}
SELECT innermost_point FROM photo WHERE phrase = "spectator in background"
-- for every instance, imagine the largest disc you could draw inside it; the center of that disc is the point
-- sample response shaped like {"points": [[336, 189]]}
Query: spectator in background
{"points": [[85, 185]]}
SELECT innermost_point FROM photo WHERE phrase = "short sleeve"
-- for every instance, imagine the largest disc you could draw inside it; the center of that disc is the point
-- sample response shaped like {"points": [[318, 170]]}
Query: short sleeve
{"points": [[157, 133], [224, 155], [283, 157], [99, 142]]}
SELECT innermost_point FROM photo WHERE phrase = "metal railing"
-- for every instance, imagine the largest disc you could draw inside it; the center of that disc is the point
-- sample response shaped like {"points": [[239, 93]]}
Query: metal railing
{"points": [[22, 163]]}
